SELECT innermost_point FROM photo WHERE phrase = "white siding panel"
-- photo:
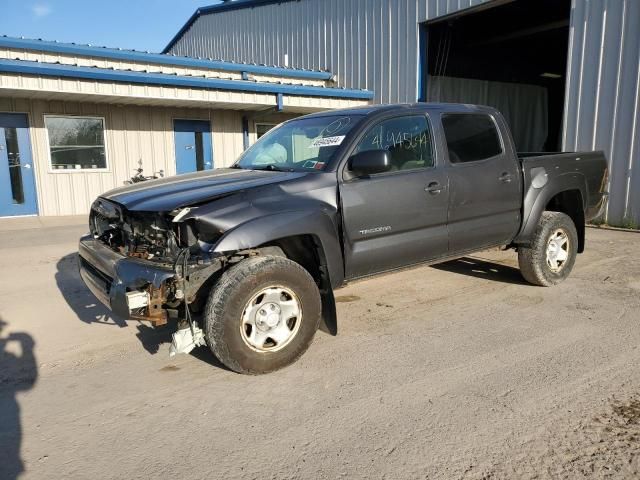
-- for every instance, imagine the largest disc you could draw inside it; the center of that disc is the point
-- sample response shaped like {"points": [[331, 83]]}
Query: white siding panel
{"points": [[132, 133], [88, 61]]}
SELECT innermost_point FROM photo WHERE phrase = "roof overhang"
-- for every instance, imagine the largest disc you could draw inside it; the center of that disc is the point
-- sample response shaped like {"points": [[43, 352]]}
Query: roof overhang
{"points": [[117, 54], [62, 81]]}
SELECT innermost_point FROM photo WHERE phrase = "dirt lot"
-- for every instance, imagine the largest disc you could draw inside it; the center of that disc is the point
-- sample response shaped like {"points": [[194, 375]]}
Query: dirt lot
{"points": [[454, 371]]}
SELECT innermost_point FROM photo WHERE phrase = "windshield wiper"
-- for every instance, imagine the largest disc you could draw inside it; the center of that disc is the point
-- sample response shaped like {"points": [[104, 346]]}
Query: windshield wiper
{"points": [[271, 167]]}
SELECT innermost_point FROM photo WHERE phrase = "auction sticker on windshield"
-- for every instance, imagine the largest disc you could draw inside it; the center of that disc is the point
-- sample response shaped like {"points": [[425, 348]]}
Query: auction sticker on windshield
{"points": [[327, 141]]}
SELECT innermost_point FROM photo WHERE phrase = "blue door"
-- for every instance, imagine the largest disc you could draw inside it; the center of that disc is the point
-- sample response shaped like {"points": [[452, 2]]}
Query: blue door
{"points": [[193, 145], [17, 184]]}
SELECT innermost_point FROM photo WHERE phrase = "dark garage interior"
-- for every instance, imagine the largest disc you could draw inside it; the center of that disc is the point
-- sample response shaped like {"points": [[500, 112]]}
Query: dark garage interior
{"points": [[512, 56]]}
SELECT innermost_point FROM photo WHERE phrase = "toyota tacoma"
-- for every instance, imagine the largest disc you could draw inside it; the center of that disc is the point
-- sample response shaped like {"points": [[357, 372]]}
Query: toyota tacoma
{"points": [[241, 258]]}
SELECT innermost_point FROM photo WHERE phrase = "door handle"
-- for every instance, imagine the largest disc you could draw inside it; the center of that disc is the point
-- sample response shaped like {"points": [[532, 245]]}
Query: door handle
{"points": [[434, 188], [506, 177]]}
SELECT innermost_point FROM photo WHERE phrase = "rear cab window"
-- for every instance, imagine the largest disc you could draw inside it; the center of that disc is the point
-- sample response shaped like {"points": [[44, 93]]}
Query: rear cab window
{"points": [[471, 137]]}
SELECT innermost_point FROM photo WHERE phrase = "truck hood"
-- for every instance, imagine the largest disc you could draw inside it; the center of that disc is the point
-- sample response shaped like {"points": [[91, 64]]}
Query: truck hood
{"points": [[166, 194]]}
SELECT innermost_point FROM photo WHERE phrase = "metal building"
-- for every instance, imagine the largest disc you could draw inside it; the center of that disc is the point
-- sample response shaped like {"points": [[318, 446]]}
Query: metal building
{"points": [[77, 120], [566, 73]]}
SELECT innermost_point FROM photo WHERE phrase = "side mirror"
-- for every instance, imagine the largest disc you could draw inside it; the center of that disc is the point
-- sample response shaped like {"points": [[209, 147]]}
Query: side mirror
{"points": [[370, 162]]}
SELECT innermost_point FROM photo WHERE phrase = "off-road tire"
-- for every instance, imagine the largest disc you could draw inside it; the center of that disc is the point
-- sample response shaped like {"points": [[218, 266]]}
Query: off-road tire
{"points": [[533, 260], [228, 298]]}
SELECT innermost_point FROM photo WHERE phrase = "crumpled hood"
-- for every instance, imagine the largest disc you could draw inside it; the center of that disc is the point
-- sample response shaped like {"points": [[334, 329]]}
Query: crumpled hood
{"points": [[166, 194]]}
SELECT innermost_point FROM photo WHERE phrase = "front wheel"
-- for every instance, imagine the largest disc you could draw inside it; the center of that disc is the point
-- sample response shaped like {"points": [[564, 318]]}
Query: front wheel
{"points": [[262, 314], [553, 250]]}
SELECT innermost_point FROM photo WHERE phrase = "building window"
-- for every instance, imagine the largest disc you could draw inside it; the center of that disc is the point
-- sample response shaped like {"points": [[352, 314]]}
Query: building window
{"points": [[262, 128], [76, 143], [471, 137]]}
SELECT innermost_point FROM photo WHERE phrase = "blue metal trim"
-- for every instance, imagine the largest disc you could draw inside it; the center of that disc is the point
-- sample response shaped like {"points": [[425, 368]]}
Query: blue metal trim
{"points": [[93, 73], [190, 126], [17, 120], [422, 62], [192, 19], [160, 58], [218, 8], [279, 102], [245, 132]]}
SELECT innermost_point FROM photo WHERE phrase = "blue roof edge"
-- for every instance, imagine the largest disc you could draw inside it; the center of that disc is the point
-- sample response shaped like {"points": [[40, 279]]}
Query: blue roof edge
{"points": [[94, 73], [161, 58], [219, 8]]}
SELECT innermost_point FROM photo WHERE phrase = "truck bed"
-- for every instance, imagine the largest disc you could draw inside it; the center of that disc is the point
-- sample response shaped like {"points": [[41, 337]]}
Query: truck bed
{"points": [[587, 171]]}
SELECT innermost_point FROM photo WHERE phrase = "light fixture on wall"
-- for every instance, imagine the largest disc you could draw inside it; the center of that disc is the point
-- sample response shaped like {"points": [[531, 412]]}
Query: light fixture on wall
{"points": [[550, 75]]}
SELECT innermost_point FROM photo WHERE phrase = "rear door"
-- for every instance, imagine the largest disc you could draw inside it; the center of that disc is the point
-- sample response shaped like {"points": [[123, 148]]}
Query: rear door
{"points": [[398, 217], [485, 189], [193, 145]]}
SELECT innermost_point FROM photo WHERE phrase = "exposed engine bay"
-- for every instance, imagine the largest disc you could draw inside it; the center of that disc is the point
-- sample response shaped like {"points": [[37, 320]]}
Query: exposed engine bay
{"points": [[145, 235]]}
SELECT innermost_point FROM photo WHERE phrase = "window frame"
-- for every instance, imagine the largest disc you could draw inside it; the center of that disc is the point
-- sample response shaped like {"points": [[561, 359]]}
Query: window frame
{"points": [[347, 176], [473, 162], [255, 128], [50, 169]]}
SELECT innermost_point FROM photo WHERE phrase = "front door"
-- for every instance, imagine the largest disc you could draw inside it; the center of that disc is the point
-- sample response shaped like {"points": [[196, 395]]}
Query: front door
{"points": [[17, 184], [193, 146], [398, 217]]}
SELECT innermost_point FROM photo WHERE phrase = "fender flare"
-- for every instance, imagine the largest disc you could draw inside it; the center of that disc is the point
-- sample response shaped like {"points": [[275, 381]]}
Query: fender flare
{"points": [[318, 224], [536, 200]]}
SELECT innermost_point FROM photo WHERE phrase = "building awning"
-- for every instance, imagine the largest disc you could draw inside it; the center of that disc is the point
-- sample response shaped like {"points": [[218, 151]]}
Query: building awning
{"points": [[28, 69]]}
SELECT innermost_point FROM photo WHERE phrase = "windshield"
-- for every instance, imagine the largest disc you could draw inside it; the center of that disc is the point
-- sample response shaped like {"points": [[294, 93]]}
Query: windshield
{"points": [[307, 144]]}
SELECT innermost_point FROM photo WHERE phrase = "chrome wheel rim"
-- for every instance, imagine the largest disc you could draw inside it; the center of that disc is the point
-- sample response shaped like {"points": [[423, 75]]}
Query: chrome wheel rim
{"points": [[271, 319], [558, 250]]}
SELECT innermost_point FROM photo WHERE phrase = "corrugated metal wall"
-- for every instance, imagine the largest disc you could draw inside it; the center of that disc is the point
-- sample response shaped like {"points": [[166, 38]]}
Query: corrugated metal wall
{"points": [[602, 110], [132, 133], [373, 44], [369, 44]]}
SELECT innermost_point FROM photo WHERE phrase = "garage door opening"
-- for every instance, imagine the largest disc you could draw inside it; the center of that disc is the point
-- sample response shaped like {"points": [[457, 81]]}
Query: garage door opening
{"points": [[512, 56]]}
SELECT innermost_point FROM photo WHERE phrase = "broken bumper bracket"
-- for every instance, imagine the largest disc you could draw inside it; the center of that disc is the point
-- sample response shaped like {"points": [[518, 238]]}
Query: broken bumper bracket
{"points": [[112, 278]]}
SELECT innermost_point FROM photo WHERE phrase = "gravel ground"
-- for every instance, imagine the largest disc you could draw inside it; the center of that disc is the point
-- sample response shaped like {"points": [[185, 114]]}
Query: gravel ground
{"points": [[454, 371]]}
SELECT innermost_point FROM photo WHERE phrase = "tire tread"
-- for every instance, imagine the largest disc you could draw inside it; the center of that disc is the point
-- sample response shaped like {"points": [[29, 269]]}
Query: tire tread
{"points": [[220, 296], [532, 261]]}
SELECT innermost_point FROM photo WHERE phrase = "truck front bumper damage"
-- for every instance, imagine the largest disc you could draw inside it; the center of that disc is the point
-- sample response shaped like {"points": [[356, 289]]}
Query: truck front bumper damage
{"points": [[130, 288]]}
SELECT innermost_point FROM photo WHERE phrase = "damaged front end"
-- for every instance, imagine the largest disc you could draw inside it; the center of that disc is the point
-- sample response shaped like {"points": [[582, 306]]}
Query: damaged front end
{"points": [[149, 266]]}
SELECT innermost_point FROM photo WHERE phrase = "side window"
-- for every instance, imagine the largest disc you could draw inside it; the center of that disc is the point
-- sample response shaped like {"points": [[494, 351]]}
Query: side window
{"points": [[262, 128], [470, 137], [408, 139], [76, 143]]}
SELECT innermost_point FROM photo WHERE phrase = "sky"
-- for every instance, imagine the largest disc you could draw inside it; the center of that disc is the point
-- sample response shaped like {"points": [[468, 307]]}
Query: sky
{"points": [[137, 24]]}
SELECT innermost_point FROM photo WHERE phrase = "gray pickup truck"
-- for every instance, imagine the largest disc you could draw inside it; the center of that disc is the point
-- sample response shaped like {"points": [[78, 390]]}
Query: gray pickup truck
{"points": [[242, 258]]}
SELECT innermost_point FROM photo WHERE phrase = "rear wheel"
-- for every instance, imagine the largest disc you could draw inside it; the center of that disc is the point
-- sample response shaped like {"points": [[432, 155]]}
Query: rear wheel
{"points": [[553, 250], [262, 314]]}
